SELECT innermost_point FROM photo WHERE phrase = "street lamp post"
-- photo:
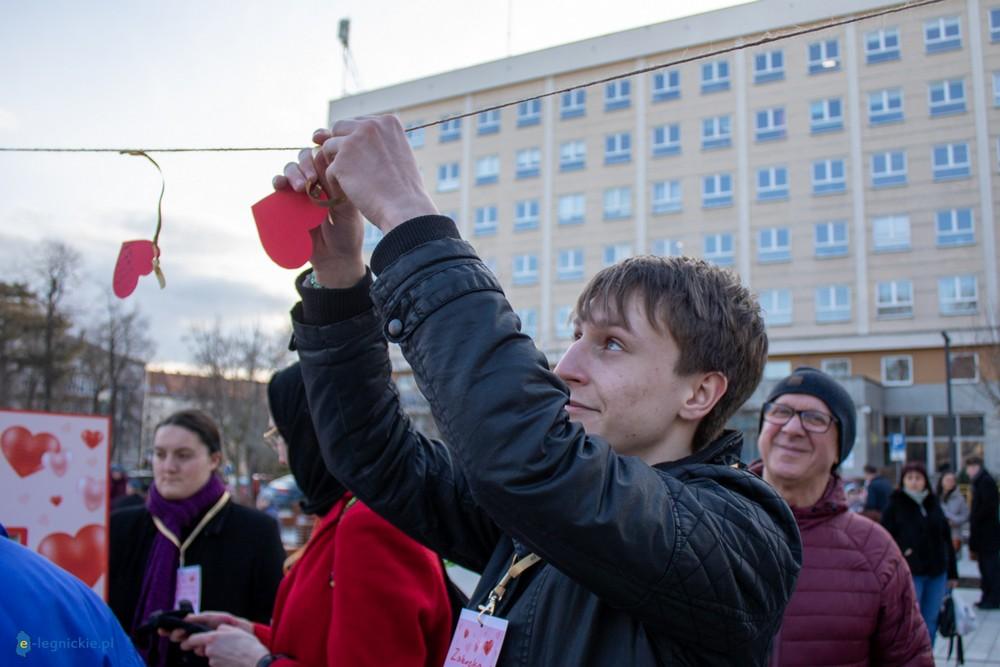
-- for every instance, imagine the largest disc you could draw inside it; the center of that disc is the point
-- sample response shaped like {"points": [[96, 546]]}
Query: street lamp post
{"points": [[951, 413]]}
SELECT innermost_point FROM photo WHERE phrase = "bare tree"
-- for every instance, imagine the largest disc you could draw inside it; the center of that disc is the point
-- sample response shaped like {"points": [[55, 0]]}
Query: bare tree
{"points": [[989, 362], [57, 268], [21, 322]]}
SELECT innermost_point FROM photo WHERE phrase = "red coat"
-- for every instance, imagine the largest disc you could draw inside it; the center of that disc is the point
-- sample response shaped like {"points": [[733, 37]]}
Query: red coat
{"points": [[363, 593], [854, 602]]}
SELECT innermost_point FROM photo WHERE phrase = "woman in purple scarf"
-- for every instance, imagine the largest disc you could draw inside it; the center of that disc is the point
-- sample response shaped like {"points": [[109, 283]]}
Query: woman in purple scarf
{"points": [[190, 541]]}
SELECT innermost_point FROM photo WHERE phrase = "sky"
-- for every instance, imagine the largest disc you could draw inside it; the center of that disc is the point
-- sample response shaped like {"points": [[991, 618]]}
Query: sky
{"points": [[185, 74]]}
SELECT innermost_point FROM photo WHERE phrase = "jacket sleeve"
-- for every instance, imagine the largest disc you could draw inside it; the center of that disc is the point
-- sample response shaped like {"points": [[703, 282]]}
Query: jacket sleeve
{"points": [[888, 519], [956, 509], [269, 557], [901, 636], [668, 552], [952, 560]]}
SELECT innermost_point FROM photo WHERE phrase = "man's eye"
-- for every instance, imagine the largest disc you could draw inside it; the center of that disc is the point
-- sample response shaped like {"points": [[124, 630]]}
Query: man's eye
{"points": [[613, 345]]}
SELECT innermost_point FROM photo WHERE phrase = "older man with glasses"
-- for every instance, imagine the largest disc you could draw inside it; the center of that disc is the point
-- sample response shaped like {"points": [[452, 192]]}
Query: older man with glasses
{"points": [[854, 602]]}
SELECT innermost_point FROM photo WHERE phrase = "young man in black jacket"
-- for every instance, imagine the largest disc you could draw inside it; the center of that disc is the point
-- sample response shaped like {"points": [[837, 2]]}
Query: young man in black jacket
{"points": [[651, 547], [984, 531]]}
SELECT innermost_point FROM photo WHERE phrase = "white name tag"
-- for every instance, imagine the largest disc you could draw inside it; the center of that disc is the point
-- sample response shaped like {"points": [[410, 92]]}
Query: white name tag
{"points": [[476, 644], [189, 586]]}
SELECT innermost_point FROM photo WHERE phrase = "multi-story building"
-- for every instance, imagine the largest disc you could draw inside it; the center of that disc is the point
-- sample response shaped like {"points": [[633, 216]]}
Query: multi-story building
{"points": [[848, 174]]}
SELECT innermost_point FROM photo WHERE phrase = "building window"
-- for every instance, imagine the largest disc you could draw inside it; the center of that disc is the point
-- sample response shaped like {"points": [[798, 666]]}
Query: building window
{"points": [[529, 113], [719, 249], [770, 124], [958, 295], [451, 130], [885, 106], [833, 303], [528, 163], [447, 177], [666, 196], [488, 122], [617, 203], [995, 24], [618, 148], [715, 76], [571, 209], [616, 252], [526, 215], [666, 85], [564, 322], [951, 161], [831, 239], [716, 132], [573, 104], [824, 56], [667, 248], [894, 299], [570, 266], [769, 66], [572, 155], [946, 97], [942, 34], [716, 190], [775, 370], [882, 45], [965, 367], [772, 184], [888, 169], [773, 245], [666, 140], [525, 270], [486, 221], [838, 368], [617, 94], [415, 135], [487, 170], [996, 89], [891, 233], [826, 115], [897, 370], [529, 321], [777, 306], [372, 236], [955, 227], [828, 177]]}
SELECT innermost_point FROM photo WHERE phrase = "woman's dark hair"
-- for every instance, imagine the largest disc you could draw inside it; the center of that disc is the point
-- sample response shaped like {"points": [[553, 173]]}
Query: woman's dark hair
{"points": [[198, 423], [941, 493], [917, 467]]}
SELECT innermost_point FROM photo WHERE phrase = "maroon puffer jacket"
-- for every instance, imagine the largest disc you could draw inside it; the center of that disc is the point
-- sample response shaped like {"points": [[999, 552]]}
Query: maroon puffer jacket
{"points": [[854, 602]]}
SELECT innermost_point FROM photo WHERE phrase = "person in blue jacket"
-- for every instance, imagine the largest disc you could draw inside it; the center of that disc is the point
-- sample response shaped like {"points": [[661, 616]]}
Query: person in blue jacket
{"points": [[49, 617]]}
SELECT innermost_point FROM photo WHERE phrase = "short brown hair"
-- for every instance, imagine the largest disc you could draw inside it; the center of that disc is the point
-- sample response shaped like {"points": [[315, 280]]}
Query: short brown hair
{"points": [[713, 318], [198, 423]]}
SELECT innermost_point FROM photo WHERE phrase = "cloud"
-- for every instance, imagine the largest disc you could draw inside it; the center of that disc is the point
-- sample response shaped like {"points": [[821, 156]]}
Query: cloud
{"points": [[8, 121]]}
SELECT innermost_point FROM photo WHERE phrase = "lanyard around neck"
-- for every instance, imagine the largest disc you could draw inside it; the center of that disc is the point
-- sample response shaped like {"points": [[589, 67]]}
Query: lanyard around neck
{"points": [[182, 546], [517, 568]]}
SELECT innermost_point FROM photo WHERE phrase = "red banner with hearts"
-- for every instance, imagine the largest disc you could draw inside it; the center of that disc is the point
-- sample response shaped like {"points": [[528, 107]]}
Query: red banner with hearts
{"points": [[54, 488]]}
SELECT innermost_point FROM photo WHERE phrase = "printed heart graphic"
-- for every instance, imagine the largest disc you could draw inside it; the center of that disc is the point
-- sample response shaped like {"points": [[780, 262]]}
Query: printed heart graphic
{"points": [[43, 520], [56, 500], [24, 498], [466, 635], [57, 462], [487, 646], [92, 438], [135, 259], [24, 451], [82, 555], [93, 492], [284, 219]]}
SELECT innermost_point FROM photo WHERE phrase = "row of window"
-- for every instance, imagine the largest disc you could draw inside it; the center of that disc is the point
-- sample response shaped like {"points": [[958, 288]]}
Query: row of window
{"points": [[881, 45], [896, 370]]}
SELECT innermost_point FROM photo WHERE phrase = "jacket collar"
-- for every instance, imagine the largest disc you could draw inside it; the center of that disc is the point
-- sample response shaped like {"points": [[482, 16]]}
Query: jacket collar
{"points": [[724, 450]]}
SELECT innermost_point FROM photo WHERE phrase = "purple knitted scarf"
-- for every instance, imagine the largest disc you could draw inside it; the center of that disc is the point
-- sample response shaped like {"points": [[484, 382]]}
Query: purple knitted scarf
{"points": [[160, 580]]}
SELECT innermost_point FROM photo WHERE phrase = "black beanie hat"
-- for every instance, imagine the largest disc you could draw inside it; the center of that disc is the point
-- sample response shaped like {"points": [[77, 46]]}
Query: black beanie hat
{"points": [[805, 380]]}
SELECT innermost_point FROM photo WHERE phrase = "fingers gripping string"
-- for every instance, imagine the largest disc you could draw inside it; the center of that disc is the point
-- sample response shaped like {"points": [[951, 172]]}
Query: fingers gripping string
{"points": [[159, 216]]}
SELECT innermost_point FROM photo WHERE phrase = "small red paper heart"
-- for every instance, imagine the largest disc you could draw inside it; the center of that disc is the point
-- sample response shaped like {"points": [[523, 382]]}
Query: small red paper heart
{"points": [[92, 438], [487, 646], [83, 555], [24, 451], [56, 500], [134, 259], [284, 219]]}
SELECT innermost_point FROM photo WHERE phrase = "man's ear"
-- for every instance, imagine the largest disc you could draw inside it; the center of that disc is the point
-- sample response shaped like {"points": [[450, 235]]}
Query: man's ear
{"points": [[706, 390]]}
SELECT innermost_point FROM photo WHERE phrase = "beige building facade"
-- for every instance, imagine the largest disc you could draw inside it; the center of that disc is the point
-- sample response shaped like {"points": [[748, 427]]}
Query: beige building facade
{"points": [[849, 175]]}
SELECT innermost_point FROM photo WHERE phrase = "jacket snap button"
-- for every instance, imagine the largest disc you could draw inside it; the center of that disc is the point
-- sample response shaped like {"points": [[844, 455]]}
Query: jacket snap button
{"points": [[395, 328]]}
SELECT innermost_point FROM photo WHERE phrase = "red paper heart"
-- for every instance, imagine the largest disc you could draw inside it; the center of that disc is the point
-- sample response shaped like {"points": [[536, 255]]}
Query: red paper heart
{"points": [[24, 451], [56, 500], [94, 493], [284, 219], [83, 555], [134, 259], [487, 646], [92, 438]]}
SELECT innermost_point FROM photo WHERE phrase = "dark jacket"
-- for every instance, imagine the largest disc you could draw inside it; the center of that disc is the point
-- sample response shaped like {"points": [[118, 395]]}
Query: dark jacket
{"points": [[877, 494], [690, 562], [984, 526], [239, 551], [924, 537], [854, 603]]}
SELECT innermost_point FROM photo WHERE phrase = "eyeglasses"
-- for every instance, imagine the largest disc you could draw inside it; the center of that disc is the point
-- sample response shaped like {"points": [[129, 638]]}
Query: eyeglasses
{"points": [[813, 421], [272, 437]]}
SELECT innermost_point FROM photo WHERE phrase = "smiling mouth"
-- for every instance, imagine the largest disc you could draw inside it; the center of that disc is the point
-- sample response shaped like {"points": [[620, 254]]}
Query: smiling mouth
{"points": [[572, 406]]}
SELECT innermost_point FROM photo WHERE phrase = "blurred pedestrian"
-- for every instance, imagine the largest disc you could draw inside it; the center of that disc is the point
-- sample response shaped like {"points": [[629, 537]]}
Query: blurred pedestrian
{"points": [[135, 496], [118, 481], [955, 509], [877, 489], [984, 531], [914, 519]]}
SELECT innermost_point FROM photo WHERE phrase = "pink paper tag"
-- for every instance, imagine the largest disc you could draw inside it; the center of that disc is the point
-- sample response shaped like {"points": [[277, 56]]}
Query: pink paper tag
{"points": [[476, 644], [189, 586], [284, 219]]}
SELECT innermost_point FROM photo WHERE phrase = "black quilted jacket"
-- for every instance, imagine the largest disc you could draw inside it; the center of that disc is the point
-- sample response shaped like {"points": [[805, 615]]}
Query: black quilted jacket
{"points": [[686, 563]]}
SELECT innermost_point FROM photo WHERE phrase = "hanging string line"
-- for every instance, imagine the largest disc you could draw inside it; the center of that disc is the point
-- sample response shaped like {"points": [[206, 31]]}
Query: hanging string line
{"points": [[768, 38]]}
